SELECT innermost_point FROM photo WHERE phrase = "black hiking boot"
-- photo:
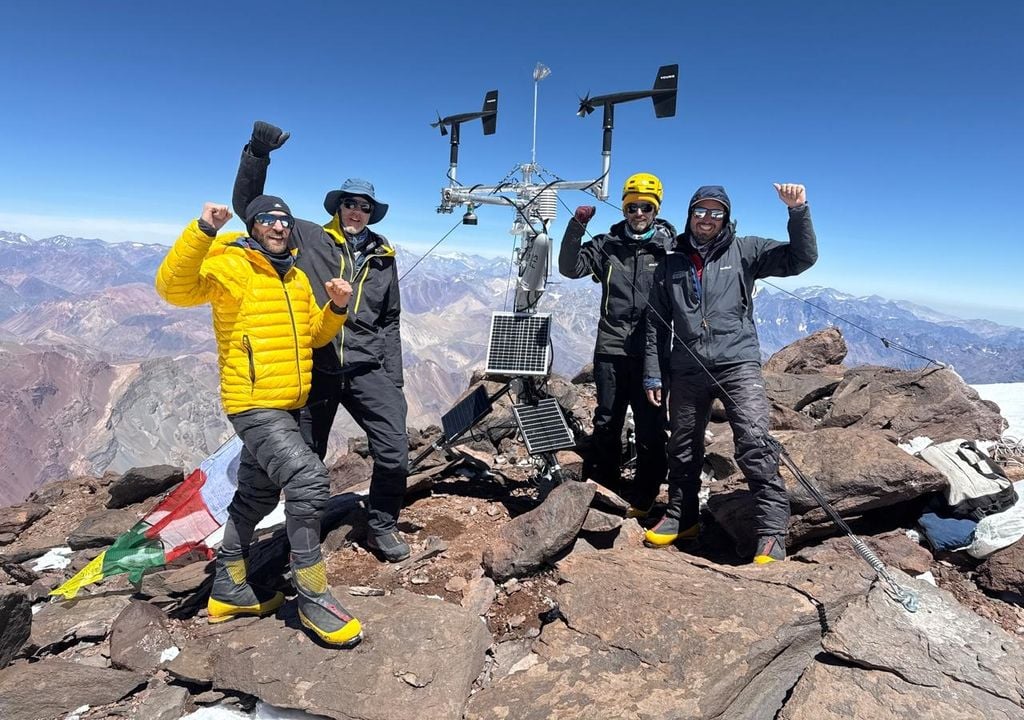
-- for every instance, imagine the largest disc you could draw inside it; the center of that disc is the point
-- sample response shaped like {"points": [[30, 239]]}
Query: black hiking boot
{"points": [[390, 545]]}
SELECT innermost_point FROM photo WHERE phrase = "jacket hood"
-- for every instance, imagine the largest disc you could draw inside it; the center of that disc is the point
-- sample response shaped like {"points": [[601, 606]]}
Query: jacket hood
{"points": [[709, 192]]}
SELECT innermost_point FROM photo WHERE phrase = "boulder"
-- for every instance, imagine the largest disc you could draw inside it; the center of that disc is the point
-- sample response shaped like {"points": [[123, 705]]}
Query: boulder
{"points": [[101, 529], [857, 471], [16, 518], [139, 636], [942, 662], [15, 622], [419, 659], [528, 541], [141, 483], [348, 471], [821, 351], [75, 620], [670, 636], [935, 403], [163, 702], [597, 521], [893, 548], [782, 418], [585, 375], [478, 595], [177, 581], [1003, 571], [52, 688], [797, 391]]}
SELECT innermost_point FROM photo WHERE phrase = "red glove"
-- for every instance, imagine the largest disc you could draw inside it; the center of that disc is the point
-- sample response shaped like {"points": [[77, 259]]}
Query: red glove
{"points": [[584, 213]]}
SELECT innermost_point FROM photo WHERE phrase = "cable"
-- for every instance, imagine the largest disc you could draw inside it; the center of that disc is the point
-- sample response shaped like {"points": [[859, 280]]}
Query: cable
{"points": [[885, 341], [424, 256]]}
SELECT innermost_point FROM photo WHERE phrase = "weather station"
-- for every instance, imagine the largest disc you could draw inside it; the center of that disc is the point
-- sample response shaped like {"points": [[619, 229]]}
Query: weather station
{"points": [[519, 343]]}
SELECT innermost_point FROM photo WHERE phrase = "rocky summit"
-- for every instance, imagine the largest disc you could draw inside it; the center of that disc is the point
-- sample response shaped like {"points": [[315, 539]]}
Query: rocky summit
{"points": [[522, 599]]}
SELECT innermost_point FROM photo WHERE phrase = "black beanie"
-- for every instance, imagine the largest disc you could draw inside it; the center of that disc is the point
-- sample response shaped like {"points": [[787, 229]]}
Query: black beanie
{"points": [[262, 204]]}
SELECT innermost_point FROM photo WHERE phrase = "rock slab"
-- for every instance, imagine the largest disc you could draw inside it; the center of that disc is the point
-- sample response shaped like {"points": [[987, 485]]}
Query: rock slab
{"points": [[51, 688]]}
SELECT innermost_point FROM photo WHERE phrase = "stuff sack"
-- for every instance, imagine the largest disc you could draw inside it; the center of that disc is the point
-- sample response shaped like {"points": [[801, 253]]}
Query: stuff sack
{"points": [[977, 486], [1000, 530]]}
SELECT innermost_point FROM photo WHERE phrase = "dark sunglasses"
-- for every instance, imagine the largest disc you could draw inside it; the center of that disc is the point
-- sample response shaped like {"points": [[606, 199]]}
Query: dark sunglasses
{"points": [[268, 219], [700, 213], [351, 204], [639, 207]]}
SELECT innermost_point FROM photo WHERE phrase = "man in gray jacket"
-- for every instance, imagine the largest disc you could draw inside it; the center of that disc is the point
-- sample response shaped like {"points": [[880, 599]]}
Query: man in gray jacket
{"points": [[702, 308]]}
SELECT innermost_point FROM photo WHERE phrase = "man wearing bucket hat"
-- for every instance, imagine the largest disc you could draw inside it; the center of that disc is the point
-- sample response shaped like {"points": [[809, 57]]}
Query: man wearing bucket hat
{"points": [[361, 369], [703, 293], [623, 261]]}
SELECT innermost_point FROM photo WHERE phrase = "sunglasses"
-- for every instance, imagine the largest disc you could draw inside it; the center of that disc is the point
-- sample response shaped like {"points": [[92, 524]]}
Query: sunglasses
{"points": [[268, 219], [350, 204], [639, 207], [700, 213]]}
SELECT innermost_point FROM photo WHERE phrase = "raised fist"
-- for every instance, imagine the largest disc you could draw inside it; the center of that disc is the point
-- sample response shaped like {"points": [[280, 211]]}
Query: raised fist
{"points": [[339, 291], [584, 213], [266, 137], [791, 194], [216, 215]]}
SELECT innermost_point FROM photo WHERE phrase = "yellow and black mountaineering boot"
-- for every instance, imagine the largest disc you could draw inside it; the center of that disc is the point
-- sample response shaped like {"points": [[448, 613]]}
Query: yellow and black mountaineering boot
{"points": [[232, 596], [668, 530], [770, 548], [320, 611]]}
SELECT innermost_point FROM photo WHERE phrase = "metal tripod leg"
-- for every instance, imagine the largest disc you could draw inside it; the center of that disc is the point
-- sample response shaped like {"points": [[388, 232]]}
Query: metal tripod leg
{"points": [[444, 443]]}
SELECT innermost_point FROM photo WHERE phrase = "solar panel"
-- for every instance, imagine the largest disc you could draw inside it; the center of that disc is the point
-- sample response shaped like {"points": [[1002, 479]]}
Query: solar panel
{"points": [[543, 426], [466, 413], [518, 344]]}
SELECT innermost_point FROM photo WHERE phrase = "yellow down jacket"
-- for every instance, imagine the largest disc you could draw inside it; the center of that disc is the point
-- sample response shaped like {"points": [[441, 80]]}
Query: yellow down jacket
{"points": [[266, 326]]}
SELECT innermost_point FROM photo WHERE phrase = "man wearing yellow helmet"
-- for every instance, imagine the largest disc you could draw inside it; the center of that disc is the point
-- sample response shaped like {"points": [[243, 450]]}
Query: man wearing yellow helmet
{"points": [[623, 261]]}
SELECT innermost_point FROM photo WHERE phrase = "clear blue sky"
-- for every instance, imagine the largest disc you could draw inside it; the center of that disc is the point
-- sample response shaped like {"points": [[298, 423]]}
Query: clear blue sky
{"points": [[904, 119]]}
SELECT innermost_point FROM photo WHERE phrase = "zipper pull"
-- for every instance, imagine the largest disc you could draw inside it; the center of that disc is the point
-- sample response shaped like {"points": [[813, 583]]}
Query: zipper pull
{"points": [[704, 323]]}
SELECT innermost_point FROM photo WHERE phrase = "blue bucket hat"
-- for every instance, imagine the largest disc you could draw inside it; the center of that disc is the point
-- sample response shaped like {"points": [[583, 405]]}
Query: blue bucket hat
{"points": [[356, 187]]}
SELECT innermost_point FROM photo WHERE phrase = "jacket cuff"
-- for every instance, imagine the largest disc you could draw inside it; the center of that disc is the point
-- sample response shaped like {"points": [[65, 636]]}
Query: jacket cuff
{"points": [[207, 228]]}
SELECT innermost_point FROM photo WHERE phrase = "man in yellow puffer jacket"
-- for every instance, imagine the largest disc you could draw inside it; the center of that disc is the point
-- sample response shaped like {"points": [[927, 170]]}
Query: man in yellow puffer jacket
{"points": [[267, 323]]}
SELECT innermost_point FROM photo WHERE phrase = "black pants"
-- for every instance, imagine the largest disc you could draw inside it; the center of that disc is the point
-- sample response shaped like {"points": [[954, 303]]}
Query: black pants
{"points": [[746, 406], [378, 407], [276, 456], [619, 383]]}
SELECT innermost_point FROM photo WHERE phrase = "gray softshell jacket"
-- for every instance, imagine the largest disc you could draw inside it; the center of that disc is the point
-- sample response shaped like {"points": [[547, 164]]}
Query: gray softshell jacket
{"points": [[710, 299]]}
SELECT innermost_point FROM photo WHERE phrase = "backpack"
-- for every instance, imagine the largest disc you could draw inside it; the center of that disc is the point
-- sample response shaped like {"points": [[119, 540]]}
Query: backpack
{"points": [[977, 486]]}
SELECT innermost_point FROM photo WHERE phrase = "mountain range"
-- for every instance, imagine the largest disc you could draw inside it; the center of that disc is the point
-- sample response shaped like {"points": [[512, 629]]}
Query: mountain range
{"points": [[101, 374]]}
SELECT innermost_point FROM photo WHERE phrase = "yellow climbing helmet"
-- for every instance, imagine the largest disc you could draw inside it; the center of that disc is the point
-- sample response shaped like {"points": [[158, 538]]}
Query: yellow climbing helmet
{"points": [[642, 187]]}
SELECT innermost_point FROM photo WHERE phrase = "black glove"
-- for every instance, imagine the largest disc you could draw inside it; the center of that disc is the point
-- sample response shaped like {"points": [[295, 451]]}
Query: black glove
{"points": [[266, 137]]}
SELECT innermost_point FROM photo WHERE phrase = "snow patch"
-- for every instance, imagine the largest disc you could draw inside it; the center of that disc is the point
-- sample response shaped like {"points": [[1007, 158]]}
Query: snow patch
{"points": [[928, 578], [1010, 399], [263, 711], [55, 559], [916, 445], [169, 654]]}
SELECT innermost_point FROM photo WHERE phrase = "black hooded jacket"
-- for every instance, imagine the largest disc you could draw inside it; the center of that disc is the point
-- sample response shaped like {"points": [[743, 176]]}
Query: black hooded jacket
{"points": [[709, 296], [625, 269]]}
